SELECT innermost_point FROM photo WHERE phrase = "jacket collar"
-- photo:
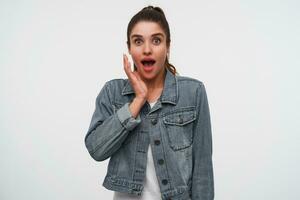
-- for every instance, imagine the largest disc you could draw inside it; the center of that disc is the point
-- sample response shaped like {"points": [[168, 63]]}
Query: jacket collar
{"points": [[169, 93]]}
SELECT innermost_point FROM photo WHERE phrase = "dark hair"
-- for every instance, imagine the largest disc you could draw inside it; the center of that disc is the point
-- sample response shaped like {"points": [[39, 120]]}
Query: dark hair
{"points": [[152, 14]]}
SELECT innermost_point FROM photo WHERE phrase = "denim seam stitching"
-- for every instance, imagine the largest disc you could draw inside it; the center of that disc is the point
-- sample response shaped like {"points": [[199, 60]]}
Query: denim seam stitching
{"points": [[100, 144]]}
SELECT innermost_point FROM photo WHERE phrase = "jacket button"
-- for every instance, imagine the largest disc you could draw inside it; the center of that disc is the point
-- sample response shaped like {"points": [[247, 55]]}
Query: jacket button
{"points": [[180, 120], [165, 181], [161, 161], [156, 142], [153, 121]]}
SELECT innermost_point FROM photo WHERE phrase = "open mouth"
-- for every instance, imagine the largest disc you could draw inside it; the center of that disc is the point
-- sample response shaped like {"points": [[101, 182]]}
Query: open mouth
{"points": [[148, 62]]}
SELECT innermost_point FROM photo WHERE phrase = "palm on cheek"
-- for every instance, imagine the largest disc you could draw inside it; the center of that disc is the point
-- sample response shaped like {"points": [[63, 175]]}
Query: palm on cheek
{"points": [[136, 82]]}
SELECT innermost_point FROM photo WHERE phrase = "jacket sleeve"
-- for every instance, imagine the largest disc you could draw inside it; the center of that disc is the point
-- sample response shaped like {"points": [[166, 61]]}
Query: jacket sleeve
{"points": [[108, 129], [203, 178]]}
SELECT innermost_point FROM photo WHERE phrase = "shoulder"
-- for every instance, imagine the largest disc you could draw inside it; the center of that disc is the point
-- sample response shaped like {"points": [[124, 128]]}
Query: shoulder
{"points": [[117, 83], [111, 86], [189, 81], [112, 89], [189, 86]]}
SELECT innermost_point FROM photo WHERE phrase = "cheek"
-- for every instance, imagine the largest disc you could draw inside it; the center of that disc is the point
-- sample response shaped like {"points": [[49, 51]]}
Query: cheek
{"points": [[162, 52], [135, 53], [162, 56]]}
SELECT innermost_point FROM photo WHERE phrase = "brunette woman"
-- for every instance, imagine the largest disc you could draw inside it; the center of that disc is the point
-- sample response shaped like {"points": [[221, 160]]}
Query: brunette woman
{"points": [[154, 126]]}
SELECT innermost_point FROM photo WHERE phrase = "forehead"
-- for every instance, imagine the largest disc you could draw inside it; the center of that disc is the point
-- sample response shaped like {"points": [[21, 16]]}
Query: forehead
{"points": [[146, 29]]}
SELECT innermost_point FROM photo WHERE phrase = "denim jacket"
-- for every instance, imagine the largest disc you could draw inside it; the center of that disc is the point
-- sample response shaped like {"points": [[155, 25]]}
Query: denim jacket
{"points": [[178, 129]]}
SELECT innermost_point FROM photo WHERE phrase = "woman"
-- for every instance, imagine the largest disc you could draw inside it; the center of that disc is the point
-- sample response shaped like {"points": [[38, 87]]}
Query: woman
{"points": [[155, 125]]}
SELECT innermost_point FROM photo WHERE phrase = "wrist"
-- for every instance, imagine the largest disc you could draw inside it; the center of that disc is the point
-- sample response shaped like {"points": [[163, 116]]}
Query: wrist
{"points": [[140, 100], [136, 105]]}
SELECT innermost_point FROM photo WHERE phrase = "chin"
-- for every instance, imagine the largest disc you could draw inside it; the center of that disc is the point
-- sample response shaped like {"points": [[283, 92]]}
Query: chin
{"points": [[147, 76]]}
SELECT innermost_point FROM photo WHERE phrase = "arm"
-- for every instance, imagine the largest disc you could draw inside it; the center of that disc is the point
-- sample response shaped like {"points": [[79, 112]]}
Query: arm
{"points": [[203, 179], [107, 129]]}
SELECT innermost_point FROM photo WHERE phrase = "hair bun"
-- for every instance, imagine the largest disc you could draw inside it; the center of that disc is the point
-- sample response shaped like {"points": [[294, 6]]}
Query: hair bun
{"points": [[158, 9], [148, 8]]}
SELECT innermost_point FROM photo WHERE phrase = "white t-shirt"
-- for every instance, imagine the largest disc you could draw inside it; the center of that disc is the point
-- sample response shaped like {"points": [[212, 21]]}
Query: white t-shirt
{"points": [[151, 189]]}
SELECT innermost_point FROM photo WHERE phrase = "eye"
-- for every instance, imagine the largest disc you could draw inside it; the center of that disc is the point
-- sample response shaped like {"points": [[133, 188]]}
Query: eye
{"points": [[156, 40], [137, 41]]}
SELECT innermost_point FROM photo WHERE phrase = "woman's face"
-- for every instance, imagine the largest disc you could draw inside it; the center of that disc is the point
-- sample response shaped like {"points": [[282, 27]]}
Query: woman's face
{"points": [[148, 49]]}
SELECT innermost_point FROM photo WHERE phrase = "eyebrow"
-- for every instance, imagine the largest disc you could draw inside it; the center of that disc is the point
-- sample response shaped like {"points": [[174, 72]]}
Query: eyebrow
{"points": [[140, 36]]}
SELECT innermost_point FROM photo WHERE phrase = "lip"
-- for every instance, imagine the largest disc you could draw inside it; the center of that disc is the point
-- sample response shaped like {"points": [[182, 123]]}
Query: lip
{"points": [[148, 59], [148, 69]]}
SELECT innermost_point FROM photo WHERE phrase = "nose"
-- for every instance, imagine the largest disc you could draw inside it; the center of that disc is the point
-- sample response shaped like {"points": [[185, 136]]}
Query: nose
{"points": [[147, 48]]}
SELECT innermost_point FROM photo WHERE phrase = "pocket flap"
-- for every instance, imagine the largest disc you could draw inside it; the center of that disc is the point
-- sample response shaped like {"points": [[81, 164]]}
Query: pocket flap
{"points": [[180, 118]]}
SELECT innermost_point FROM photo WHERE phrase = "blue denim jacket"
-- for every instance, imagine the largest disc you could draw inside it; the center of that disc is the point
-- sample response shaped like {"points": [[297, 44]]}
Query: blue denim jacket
{"points": [[178, 129]]}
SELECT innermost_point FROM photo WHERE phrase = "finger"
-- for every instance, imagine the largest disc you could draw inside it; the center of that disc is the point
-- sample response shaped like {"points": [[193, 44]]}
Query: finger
{"points": [[128, 62], [125, 64], [129, 65], [131, 76], [124, 61]]}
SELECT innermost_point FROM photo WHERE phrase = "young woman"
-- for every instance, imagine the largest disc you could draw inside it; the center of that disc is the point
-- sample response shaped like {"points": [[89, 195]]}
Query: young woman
{"points": [[155, 125]]}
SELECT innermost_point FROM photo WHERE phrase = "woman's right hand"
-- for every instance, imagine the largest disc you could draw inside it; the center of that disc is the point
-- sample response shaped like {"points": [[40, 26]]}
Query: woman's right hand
{"points": [[138, 86], [135, 80]]}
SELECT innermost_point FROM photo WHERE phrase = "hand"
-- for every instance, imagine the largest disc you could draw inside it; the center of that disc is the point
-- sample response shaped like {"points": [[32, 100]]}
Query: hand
{"points": [[138, 85]]}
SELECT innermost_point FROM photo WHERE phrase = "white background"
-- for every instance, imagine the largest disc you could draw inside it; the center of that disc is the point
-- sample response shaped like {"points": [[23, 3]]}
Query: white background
{"points": [[55, 57]]}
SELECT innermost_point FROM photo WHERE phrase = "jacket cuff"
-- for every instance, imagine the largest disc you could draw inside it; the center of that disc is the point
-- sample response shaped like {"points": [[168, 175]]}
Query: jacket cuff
{"points": [[126, 119]]}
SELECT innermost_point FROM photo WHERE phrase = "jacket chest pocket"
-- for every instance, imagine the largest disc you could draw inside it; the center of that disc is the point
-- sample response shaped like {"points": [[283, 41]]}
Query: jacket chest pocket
{"points": [[179, 127]]}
